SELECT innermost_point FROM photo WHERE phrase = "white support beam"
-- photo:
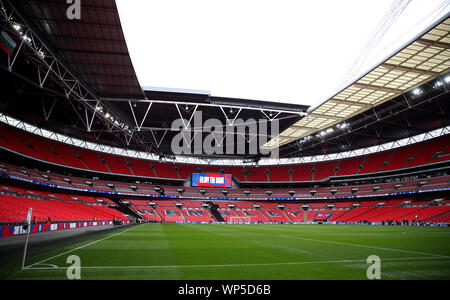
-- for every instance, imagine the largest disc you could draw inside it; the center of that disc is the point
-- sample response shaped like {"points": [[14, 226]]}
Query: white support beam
{"points": [[199, 104]]}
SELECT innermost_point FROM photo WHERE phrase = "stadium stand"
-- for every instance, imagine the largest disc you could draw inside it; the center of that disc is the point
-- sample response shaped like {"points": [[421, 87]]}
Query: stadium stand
{"points": [[296, 215], [72, 206], [325, 169], [15, 208], [228, 215], [41, 148], [402, 156], [349, 166], [144, 188], [259, 174], [374, 163], [57, 206], [276, 215], [196, 215], [428, 152], [141, 167], [302, 172], [279, 172], [170, 214], [116, 164]]}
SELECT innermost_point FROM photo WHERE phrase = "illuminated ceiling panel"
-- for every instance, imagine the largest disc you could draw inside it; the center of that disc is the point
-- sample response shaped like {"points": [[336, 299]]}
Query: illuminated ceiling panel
{"points": [[423, 60]]}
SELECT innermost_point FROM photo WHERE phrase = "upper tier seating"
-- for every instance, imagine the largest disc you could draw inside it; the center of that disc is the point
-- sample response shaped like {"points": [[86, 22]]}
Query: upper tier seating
{"points": [[170, 214], [399, 159], [444, 218], [279, 173], [302, 172], [325, 169], [296, 215], [349, 166], [427, 154]]}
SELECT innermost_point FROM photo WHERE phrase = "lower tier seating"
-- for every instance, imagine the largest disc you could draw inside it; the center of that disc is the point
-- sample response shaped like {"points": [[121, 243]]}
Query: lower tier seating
{"points": [[13, 209]]}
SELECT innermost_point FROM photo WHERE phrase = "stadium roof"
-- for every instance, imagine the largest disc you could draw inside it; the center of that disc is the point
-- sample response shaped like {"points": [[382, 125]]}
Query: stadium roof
{"points": [[423, 60], [94, 46], [286, 52], [137, 119]]}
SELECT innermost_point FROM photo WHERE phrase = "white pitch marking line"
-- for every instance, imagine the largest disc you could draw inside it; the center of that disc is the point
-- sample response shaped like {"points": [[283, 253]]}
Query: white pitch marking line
{"points": [[364, 246], [239, 265], [78, 248], [51, 266]]}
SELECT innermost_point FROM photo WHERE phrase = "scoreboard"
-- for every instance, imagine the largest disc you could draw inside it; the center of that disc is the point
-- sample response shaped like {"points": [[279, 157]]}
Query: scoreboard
{"points": [[211, 180]]}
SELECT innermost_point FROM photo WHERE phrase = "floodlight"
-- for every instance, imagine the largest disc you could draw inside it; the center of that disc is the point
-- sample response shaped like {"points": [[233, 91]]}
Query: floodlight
{"points": [[17, 27], [417, 92], [437, 84], [41, 54], [26, 38]]}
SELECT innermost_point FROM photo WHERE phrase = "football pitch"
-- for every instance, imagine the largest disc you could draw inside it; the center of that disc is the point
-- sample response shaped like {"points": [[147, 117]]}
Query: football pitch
{"points": [[250, 252]]}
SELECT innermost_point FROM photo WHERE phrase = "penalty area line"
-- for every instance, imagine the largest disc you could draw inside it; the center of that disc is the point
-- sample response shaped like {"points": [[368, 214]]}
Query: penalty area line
{"points": [[365, 246], [72, 250]]}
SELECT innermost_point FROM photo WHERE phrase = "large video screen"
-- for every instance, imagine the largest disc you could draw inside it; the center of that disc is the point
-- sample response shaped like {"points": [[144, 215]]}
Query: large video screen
{"points": [[211, 180]]}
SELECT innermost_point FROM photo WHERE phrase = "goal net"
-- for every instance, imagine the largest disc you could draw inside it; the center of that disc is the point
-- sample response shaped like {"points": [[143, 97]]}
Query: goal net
{"points": [[239, 220]]}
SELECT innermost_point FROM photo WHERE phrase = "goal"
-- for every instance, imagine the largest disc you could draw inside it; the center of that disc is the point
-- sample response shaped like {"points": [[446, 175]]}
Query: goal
{"points": [[239, 220]]}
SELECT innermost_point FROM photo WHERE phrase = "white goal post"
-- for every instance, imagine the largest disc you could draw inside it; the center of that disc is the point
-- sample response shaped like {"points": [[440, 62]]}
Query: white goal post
{"points": [[239, 220]]}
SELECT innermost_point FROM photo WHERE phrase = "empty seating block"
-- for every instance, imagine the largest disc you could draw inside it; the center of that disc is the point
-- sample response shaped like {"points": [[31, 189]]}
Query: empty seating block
{"points": [[13, 209], [196, 215]]}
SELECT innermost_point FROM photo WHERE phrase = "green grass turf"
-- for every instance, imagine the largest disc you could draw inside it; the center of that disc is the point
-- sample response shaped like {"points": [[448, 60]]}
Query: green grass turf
{"points": [[258, 252]]}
